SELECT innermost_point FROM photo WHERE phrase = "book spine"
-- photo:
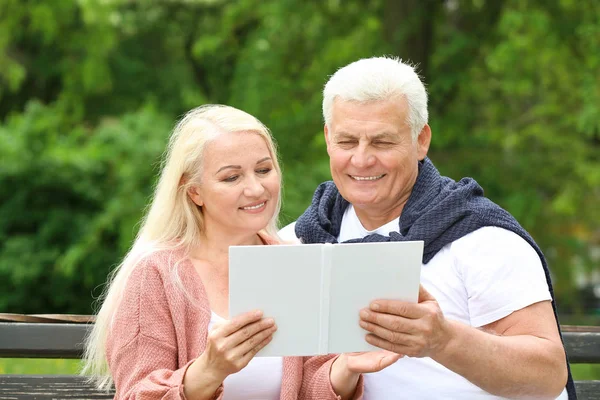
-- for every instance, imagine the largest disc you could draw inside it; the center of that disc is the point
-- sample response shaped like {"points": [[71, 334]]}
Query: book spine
{"points": [[326, 255]]}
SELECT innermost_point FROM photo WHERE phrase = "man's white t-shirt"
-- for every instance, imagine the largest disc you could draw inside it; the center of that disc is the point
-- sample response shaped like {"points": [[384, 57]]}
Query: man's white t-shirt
{"points": [[477, 279]]}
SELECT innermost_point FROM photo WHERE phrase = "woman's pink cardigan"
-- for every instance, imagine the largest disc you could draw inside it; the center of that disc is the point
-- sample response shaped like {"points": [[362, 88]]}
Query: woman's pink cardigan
{"points": [[159, 330]]}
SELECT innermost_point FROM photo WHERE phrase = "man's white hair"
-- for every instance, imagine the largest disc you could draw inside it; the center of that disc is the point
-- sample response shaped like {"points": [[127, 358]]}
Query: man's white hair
{"points": [[376, 79]]}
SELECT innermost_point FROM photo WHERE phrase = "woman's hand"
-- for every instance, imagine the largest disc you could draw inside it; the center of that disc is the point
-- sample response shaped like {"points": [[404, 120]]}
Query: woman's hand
{"points": [[346, 369], [232, 344], [370, 361], [229, 348]]}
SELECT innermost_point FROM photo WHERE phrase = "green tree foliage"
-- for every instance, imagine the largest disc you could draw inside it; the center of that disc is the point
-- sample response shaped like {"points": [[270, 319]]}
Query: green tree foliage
{"points": [[70, 200], [89, 91]]}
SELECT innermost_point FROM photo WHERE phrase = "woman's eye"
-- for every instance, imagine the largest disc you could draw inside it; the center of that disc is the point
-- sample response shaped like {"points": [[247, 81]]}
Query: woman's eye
{"points": [[232, 178], [263, 171]]}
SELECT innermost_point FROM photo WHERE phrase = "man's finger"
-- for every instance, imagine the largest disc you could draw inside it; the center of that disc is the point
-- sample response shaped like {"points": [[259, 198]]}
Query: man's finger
{"points": [[397, 307], [387, 334], [424, 295], [388, 321], [385, 345]]}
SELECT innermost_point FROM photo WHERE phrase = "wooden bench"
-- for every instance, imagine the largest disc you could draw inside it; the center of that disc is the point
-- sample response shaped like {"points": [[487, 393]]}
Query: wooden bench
{"points": [[62, 337]]}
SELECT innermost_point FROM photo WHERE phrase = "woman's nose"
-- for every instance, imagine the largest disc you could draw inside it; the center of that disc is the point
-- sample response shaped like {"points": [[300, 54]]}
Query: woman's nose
{"points": [[254, 188]]}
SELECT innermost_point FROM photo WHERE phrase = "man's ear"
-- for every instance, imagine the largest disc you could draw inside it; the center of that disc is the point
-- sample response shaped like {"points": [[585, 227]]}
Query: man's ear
{"points": [[195, 195], [327, 136], [423, 142]]}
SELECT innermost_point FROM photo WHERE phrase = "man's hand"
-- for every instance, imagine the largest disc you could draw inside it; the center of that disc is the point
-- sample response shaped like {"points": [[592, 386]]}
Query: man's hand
{"points": [[415, 330]]}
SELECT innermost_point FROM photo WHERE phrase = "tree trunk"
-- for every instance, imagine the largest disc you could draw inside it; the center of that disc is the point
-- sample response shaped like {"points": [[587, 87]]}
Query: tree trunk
{"points": [[409, 29]]}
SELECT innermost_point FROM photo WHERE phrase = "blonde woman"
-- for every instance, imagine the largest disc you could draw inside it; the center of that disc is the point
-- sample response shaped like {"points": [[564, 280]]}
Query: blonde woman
{"points": [[163, 329]]}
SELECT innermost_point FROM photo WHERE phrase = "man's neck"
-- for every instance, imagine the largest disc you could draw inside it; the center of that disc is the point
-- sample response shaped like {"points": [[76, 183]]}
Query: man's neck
{"points": [[373, 219]]}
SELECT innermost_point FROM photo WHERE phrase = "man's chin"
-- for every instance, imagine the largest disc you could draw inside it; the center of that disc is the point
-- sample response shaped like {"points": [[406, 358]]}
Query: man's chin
{"points": [[361, 202]]}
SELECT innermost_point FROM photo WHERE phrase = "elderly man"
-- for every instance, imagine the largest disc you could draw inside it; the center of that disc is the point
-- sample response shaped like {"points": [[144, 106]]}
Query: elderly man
{"points": [[485, 325]]}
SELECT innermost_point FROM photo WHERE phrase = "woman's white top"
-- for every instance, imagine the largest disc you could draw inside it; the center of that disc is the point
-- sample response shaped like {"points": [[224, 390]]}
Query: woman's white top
{"points": [[259, 380]]}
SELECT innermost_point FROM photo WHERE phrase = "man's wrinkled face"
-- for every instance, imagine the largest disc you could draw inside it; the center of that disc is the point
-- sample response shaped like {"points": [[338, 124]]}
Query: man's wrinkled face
{"points": [[373, 158]]}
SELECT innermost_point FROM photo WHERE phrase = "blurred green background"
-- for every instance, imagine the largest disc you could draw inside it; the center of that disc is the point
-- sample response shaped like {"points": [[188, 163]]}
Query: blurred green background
{"points": [[89, 91]]}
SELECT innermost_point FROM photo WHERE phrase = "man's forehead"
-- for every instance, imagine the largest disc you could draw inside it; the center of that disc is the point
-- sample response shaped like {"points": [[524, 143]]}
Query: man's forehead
{"points": [[399, 102], [354, 133], [393, 111]]}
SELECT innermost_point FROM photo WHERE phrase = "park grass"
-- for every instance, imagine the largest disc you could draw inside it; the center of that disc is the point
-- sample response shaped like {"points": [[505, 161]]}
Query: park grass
{"points": [[41, 366], [584, 372], [27, 366]]}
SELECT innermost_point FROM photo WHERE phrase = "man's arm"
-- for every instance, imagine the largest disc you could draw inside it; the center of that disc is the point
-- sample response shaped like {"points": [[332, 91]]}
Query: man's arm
{"points": [[520, 355]]}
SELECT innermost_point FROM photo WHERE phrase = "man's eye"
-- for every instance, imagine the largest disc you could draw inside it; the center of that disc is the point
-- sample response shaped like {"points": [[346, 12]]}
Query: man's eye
{"points": [[380, 143], [263, 171], [231, 178]]}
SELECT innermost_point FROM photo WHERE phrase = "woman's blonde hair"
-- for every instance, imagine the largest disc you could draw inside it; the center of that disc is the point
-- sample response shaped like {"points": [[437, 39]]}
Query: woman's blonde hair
{"points": [[173, 220]]}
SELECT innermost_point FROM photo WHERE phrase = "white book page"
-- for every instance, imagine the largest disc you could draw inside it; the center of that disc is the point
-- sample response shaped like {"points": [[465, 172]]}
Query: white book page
{"points": [[284, 282], [364, 272]]}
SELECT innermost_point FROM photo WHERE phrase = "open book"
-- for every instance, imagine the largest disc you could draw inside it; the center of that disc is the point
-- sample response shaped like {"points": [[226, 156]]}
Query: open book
{"points": [[314, 292]]}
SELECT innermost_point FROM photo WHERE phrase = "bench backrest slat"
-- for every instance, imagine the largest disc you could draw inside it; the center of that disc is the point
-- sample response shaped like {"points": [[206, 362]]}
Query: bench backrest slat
{"points": [[42, 340], [35, 340], [582, 347], [588, 390]]}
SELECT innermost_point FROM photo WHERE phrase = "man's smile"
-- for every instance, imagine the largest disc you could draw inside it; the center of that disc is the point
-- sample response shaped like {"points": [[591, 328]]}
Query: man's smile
{"points": [[367, 178]]}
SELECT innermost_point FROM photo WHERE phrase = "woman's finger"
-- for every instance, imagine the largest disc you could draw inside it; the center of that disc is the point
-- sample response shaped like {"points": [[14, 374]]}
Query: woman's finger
{"points": [[217, 325], [390, 359], [251, 343], [244, 334], [237, 323], [245, 359], [373, 361]]}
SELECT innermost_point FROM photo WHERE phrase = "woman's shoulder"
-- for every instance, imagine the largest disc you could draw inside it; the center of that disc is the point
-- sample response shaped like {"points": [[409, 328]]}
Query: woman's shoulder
{"points": [[156, 260], [164, 273]]}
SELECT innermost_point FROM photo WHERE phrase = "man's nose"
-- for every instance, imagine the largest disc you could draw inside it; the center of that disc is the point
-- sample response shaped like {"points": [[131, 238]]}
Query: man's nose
{"points": [[362, 157], [254, 187]]}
